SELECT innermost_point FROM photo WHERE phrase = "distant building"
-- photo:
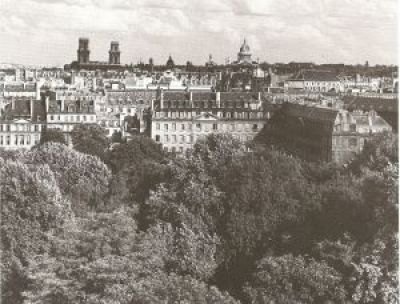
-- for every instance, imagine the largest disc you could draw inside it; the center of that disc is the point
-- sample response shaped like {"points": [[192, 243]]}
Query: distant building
{"points": [[114, 53], [244, 55], [83, 58], [170, 63], [20, 89], [315, 81], [180, 118]]}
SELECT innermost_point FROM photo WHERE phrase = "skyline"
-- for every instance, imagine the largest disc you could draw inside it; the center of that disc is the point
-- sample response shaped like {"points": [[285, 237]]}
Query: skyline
{"points": [[348, 32]]}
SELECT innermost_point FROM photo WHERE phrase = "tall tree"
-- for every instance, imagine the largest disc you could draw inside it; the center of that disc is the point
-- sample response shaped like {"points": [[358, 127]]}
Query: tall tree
{"points": [[90, 139], [52, 135]]}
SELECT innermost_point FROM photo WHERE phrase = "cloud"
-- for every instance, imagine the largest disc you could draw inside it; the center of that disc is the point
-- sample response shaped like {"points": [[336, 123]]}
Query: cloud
{"points": [[304, 30]]}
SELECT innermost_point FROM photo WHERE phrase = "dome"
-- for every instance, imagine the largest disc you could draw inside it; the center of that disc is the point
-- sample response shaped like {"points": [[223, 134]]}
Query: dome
{"points": [[245, 47], [170, 62]]}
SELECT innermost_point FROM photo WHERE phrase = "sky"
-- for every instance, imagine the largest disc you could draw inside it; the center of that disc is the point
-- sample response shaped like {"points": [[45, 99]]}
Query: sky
{"points": [[46, 32]]}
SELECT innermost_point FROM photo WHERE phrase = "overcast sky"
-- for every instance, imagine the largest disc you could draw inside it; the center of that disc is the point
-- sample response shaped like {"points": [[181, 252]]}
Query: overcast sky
{"points": [[350, 31]]}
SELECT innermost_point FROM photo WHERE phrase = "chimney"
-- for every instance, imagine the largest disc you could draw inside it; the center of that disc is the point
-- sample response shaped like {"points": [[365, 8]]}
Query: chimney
{"points": [[47, 103], [37, 91], [259, 100], [31, 107], [161, 98], [218, 99]]}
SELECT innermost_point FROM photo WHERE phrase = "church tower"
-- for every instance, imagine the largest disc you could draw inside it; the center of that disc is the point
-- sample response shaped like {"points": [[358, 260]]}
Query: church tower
{"points": [[114, 53], [83, 50]]}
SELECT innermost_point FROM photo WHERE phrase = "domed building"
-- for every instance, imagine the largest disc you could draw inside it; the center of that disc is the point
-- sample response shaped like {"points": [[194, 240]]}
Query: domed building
{"points": [[244, 55], [170, 63]]}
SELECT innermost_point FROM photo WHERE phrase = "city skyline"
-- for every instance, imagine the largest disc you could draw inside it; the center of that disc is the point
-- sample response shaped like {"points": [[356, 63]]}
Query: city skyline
{"points": [[348, 32]]}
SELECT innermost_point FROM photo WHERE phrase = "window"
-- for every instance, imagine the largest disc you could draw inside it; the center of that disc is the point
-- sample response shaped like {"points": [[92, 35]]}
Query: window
{"points": [[84, 117], [51, 117], [198, 127], [1, 140], [181, 149], [166, 127], [353, 142], [157, 126], [182, 127], [255, 127], [215, 127], [174, 127], [157, 138], [182, 139], [166, 138], [174, 138]]}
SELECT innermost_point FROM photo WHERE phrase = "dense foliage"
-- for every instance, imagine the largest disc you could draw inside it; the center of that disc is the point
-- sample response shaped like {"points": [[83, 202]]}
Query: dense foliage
{"points": [[126, 223]]}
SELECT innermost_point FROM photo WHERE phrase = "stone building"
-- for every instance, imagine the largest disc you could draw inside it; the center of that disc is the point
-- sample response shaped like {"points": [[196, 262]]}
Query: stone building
{"points": [[117, 105], [66, 109], [21, 124], [315, 81], [180, 118]]}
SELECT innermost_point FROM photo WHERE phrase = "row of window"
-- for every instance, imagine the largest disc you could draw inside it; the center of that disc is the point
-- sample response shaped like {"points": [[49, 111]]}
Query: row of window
{"points": [[18, 140], [110, 123], [190, 139], [72, 118], [20, 127], [222, 114], [208, 127], [119, 110], [328, 83], [209, 104]]}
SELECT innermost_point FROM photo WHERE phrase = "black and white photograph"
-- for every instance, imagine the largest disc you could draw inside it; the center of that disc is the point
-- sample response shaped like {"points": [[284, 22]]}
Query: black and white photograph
{"points": [[199, 151]]}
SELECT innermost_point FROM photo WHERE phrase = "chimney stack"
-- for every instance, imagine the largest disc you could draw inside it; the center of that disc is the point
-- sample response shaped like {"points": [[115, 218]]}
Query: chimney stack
{"points": [[161, 98], [47, 103], [31, 107]]}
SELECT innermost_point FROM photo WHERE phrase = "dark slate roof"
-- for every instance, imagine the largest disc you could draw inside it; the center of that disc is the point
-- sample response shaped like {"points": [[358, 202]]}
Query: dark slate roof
{"points": [[200, 96], [130, 97], [173, 95], [22, 109], [370, 103], [316, 75], [311, 113], [20, 88], [238, 96], [39, 110]]}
